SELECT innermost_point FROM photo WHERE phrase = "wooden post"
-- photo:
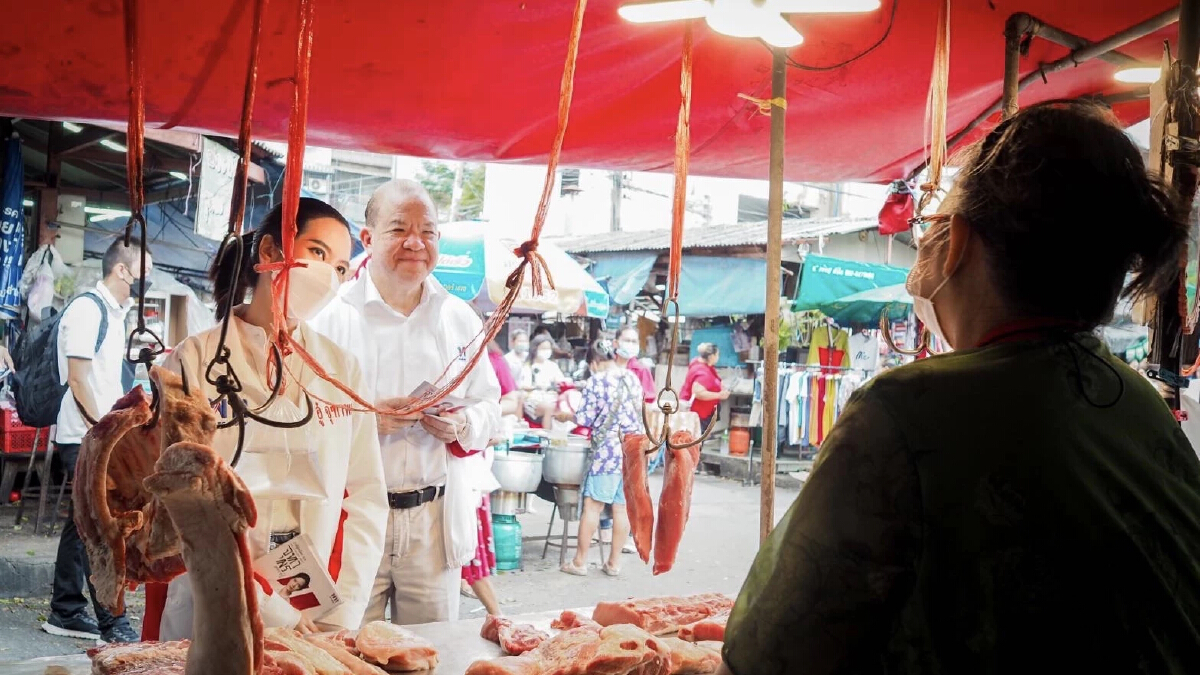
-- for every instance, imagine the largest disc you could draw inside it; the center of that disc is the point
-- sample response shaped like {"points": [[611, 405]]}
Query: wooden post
{"points": [[771, 330], [47, 203], [1013, 30]]}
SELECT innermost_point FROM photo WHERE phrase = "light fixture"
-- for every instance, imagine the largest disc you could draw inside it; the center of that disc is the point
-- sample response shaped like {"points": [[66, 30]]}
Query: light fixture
{"points": [[112, 145], [100, 213], [1139, 75], [180, 175], [743, 18], [72, 127], [27, 202]]}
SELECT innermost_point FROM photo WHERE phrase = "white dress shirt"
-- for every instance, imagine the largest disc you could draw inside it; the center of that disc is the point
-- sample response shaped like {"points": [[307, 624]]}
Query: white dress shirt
{"points": [[77, 332], [399, 353]]}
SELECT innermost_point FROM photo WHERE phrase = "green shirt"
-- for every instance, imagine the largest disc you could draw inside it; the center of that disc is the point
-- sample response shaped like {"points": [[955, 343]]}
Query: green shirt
{"points": [[974, 513]]}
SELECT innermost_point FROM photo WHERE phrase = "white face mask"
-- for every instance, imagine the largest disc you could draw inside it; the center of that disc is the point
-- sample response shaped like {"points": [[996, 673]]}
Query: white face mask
{"points": [[923, 307], [313, 285]]}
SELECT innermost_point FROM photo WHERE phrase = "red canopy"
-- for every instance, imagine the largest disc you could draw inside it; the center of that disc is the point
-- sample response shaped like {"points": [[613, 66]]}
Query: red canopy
{"points": [[478, 80]]}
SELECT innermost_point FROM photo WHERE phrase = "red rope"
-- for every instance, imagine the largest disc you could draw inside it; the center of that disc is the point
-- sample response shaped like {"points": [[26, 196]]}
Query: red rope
{"points": [[237, 208], [135, 144], [683, 148], [531, 260]]}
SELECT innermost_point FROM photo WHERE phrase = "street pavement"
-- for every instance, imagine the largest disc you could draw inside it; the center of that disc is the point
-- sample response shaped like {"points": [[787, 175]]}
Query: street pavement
{"points": [[718, 546]]}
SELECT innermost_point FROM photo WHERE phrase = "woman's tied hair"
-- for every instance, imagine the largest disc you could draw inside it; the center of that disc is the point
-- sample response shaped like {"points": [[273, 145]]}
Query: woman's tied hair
{"points": [[602, 350], [706, 350], [1061, 200]]}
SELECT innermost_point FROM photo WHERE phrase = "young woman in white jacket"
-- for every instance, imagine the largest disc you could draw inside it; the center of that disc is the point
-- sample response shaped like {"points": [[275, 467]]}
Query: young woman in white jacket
{"points": [[344, 510]]}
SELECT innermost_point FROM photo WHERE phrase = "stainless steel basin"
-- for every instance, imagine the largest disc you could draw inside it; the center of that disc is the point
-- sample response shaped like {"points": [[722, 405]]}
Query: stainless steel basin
{"points": [[566, 461], [517, 471]]}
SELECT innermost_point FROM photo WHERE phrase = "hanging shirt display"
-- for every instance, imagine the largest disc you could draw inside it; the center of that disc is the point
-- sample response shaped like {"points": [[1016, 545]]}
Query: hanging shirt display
{"points": [[864, 351]]}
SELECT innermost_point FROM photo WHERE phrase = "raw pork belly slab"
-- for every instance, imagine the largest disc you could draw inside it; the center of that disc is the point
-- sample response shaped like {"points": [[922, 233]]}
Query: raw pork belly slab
{"points": [[337, 649], [675, 502], [615, 650], [638, 503], [395, 648], [661, 616], [711, 629], [128, 535], [692, 659], [321, 661], [140, 658], [571, 619], [514, 639]]}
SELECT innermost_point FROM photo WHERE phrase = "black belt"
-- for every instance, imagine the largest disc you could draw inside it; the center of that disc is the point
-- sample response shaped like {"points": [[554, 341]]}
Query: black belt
{"points": [[415, 498], [280, 538]]}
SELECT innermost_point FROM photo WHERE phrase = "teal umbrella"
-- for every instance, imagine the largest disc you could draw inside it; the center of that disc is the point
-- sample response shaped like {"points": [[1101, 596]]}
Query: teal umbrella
{"points": [[865, 307]]}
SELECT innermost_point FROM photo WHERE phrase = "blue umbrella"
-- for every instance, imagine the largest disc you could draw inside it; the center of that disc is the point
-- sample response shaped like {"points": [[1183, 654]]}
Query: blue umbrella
{"points": [[12, 230]]}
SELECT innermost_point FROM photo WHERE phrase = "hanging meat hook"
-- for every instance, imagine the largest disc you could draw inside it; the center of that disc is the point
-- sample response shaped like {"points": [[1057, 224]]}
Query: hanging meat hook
{"points": [[146, 353], [885, 329], [668, 407]]}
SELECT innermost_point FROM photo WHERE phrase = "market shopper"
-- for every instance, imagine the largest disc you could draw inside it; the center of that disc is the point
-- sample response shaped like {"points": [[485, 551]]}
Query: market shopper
{"points": [[629, 346], [1026, 502], [91, 353], [611, 408], [702, 386], [406, 329], [342, 507], [519, 354]]}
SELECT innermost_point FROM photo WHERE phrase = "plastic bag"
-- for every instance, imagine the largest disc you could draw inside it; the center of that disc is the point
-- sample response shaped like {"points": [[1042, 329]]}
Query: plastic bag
{"points": [[281, 463]]}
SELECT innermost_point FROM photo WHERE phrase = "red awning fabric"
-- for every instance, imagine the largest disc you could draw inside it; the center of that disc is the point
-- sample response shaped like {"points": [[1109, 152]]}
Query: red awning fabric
{"points": [[472, 80]]}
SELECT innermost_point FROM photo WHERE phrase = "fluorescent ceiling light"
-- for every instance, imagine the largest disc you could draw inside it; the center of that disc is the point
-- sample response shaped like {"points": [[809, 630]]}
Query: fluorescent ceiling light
{"points": [[1146, 75], [112, 145], [668, 10], [180, 175], [822, 6], [777, 31], [72, 127], [100, 213], [27, 202]]}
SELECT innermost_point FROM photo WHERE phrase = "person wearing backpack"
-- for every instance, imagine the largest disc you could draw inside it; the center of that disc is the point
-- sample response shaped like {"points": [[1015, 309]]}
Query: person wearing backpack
{"points": [[90, 346]]}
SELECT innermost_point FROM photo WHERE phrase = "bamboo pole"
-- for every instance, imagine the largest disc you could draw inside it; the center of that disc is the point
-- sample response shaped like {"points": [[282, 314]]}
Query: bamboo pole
{"points": [[774, 264]]}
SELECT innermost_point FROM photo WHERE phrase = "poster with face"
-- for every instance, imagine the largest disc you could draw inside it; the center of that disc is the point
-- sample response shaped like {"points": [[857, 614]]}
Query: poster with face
{"points": [[296, 574]]}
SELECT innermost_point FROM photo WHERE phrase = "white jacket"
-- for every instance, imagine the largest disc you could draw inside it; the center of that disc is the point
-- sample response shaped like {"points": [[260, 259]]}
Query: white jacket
{"points": [[400, 352], [348, 451]]}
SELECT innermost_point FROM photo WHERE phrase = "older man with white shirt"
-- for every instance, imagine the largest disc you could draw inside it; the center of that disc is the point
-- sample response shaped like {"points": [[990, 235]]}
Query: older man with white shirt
{"points": [[406, 329]]}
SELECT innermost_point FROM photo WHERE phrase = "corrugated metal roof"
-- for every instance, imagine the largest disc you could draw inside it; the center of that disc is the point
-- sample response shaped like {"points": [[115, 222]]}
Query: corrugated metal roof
{"points": [[713, 236]]}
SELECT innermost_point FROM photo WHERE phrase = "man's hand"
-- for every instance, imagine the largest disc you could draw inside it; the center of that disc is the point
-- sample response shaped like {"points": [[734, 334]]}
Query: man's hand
{"points": [[445, 427], [390, 424], [306, 626]]}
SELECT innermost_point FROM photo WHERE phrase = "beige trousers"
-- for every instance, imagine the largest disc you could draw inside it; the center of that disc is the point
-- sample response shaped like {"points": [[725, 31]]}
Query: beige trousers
{"points": [[412, 576]]}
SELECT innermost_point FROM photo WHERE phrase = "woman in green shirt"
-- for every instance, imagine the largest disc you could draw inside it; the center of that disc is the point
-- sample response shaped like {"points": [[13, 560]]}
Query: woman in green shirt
{"points": [[1026, 503]]}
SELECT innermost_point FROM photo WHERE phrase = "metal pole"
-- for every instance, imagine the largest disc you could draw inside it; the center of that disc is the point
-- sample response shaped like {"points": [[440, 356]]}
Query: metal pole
{"points": [[1035, 27], [1076, 57], [774, 264]]}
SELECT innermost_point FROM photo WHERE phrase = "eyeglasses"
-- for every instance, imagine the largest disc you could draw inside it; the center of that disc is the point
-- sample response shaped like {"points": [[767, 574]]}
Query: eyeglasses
{"points": [[922, 224]]}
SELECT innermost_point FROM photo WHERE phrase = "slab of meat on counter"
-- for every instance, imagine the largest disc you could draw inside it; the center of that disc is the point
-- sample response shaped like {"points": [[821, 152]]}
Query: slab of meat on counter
{"points": [[288, 640], [337, 648], [514, 639], [135, 658], [128, 536], [394, 648], [571, 619], [712, 628], [638, 503], [689, 658], [675, 502], [614, 650], [662, 616]]}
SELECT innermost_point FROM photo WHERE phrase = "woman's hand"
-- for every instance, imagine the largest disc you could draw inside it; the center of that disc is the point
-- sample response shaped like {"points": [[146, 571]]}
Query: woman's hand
{"points": [[725, 394], [390, 424], [306, 626], [445, 427]]}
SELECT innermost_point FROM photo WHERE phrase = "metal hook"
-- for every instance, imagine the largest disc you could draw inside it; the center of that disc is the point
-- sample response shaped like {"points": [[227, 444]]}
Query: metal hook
{"points": [[145, 354], [669, 408], [885, 329]]}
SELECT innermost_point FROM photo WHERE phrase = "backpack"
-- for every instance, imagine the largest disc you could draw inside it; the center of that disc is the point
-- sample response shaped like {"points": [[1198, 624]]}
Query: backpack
{"points": [[35, 378]]}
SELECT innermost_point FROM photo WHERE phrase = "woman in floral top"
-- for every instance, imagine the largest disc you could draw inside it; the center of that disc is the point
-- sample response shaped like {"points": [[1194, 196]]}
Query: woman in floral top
{"points": [[610, 408]]}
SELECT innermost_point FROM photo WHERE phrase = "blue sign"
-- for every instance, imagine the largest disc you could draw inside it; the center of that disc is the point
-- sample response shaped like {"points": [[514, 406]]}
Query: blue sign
{"points": [[461, 267], [597, 304], [12, 231]]}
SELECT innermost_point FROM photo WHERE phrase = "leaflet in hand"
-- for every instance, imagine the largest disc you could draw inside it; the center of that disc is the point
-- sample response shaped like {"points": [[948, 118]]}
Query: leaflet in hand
{"points": [[297, 575], [448, 404]]}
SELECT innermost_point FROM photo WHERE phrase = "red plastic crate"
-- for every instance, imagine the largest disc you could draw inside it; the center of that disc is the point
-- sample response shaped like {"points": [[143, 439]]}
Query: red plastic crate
{"points": [[15, 436]]}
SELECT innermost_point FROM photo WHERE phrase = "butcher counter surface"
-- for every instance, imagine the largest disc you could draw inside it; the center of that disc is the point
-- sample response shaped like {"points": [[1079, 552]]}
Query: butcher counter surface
{"points": [[458, 644]]}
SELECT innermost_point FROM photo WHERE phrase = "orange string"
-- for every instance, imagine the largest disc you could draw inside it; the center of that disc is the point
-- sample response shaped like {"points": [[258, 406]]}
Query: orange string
{"points": [[683, 148], [531, 260], [135, 144]]}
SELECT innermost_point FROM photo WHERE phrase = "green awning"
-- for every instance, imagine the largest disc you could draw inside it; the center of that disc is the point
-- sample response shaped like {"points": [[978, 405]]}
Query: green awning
{"points": [[852, 292]]}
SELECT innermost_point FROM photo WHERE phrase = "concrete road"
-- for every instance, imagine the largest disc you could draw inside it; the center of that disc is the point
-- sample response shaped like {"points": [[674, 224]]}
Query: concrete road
{"points": [[717, 549]]}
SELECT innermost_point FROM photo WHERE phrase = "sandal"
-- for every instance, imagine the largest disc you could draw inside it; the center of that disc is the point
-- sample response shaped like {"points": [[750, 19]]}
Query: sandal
{"points": [[612, 571], [570, 568]]}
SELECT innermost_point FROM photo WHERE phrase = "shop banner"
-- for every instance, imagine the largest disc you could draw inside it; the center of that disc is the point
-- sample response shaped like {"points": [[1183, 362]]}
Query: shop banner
{"points": [[597, 304], [461, 267], [12, 229], [218, 165]]}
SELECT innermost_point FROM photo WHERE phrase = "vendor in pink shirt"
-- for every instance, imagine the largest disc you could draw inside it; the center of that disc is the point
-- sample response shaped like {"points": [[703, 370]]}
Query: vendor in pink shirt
{"points": [[702, 386], [628, 347]]}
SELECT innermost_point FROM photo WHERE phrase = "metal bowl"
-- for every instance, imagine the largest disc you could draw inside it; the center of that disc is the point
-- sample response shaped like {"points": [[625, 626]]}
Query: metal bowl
{"points": [[566, 461], [517, 471]]}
